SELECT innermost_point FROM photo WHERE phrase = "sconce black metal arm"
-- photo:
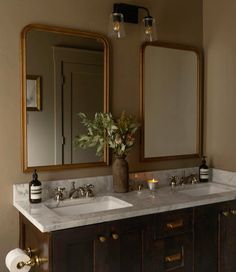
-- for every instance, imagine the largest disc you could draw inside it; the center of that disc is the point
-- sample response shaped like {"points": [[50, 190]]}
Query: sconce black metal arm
{"points": [[130, 12]]}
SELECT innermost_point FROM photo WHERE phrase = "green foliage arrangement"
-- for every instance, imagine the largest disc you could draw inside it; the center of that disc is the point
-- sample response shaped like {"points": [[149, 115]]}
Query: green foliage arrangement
{"points": [[104, 130]]}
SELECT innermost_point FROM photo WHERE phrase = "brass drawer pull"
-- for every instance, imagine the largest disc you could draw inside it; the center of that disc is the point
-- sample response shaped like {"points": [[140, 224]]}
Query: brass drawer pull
{"points": [[233, 212], [102, 239], [115, 236], [176, 224], [226, 213], [173, 258]]}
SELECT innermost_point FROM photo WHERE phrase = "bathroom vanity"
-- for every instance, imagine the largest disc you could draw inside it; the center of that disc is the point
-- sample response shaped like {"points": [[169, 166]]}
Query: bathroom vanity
{"points": [[148, 243], [177, 230]]}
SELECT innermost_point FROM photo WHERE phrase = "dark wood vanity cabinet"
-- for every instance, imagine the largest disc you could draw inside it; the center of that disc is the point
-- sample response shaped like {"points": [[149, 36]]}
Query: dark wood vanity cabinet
{"points": [[157, 243], [202, 239], [215, 237]]}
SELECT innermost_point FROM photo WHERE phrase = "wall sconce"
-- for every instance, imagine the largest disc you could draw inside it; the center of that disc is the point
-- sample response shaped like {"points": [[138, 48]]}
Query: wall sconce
{"points": [[125, 13]]}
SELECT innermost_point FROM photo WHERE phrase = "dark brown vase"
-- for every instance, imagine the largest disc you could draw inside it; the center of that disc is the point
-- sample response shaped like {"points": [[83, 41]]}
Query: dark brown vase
{"points": [[120, 171]]}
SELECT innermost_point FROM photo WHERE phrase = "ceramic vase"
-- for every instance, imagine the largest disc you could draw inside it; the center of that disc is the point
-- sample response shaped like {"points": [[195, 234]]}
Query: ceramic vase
{"points": [[120, 171]]}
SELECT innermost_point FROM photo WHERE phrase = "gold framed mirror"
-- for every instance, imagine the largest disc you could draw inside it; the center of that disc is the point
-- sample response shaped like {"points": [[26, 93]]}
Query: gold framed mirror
{"points": [[64, 72], [170, 101]]}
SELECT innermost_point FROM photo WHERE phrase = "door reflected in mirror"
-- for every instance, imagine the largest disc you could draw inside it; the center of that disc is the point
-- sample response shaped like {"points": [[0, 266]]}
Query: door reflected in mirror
{"points": [[170, 101], [65, 72]]}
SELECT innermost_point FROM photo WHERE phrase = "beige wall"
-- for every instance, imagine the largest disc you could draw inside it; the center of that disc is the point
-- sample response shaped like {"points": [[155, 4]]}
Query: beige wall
{"points": [[178, 21], [220, 61]]}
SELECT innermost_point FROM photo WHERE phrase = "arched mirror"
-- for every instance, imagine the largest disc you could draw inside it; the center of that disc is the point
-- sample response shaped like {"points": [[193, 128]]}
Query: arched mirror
{"points": [[171, 101], [64, 72]]}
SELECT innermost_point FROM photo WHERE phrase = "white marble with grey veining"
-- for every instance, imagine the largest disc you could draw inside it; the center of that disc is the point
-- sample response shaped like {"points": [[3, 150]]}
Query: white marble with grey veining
{"points": [[143, 203], [225, 177]]}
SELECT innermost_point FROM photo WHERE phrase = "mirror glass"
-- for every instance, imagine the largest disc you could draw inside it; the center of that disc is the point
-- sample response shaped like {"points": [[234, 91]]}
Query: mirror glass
{"points": [[64, 72], [170, 101]]}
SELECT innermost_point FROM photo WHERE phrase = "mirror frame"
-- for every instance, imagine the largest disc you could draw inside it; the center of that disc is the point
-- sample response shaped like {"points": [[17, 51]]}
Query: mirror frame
{"points": [[65, 31], [200, 101]]}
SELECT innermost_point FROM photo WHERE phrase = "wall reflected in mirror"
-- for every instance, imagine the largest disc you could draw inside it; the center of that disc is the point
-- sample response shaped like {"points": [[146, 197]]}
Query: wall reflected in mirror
{"points": [[170, 101], [65, 71]]}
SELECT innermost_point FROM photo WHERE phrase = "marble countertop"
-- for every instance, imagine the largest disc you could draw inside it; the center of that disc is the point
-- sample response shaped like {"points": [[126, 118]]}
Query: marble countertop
{"points": [[143, 203]]}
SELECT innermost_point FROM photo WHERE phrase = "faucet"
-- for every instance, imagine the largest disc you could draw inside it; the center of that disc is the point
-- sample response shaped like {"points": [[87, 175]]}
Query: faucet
{"points": [[85, 191], [191, 179], [59, 194], [89, 190], [174, 181], [76, 192]]}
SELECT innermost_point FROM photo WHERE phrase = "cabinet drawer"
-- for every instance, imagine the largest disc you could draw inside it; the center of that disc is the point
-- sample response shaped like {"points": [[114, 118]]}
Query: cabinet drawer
{"points": [[172, 223], [178, 253], [170, 254]]}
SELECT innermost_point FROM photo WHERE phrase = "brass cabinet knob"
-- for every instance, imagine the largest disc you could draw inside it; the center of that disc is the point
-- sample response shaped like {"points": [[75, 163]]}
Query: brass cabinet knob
{"points": [[115, 236], [233, 212], [226, 213], [102, 239]]}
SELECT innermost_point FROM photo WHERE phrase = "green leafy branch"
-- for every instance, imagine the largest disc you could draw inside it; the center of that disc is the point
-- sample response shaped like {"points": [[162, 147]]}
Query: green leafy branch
{"points": [[104, 130]]}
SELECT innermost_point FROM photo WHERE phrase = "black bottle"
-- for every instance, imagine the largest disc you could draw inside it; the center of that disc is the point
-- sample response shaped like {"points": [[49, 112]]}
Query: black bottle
{"points": [[203, 171], [35, 189]]}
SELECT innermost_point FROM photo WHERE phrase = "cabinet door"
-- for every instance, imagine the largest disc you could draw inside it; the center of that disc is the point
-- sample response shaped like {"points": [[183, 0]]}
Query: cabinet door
{"points": [[131, 237], [122, 249], [86, 249], [173, 253], [206, 238], [107, 247], [227, 238], [73, 249]]}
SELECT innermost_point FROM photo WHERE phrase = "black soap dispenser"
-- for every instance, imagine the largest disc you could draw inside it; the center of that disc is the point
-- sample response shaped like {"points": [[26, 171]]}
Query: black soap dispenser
{"points": [[35, 189], [203, 171]]}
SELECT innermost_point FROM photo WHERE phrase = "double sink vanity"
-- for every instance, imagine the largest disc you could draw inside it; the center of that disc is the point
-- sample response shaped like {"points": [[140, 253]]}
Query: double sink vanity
{"points": [[184, 228]]}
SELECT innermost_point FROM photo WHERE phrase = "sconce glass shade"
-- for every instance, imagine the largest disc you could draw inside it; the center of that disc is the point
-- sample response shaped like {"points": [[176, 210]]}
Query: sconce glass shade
{"points": [[116, 26], [149, 29]]}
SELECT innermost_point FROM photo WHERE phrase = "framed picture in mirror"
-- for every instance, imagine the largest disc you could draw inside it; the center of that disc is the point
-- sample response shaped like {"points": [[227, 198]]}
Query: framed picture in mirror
{"points": [[33, 93]]}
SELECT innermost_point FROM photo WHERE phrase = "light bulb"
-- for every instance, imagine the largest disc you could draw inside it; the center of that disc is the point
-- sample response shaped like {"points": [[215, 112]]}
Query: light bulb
{"points": [[116, 26], [149, 29]]}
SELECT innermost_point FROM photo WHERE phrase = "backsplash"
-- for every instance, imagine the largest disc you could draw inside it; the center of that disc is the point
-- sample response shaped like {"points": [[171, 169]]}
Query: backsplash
{"points": [[222, 176], [103, 184]]}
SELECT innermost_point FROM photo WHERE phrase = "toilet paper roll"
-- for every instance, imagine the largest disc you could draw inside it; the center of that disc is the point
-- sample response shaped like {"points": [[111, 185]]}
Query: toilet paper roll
{"points": [[14, 257]]}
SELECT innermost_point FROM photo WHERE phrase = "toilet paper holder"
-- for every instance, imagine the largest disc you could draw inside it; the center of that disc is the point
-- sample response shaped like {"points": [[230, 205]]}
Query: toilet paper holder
{"points": [[34, 260]]}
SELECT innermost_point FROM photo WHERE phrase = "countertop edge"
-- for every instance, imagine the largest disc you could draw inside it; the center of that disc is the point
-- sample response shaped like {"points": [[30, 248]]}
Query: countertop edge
{"points": [[124, 214]]}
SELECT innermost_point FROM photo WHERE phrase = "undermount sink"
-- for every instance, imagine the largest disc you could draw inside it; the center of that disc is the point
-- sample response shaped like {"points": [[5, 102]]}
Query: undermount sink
{"points": [[206, 189], [88, 205]]}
